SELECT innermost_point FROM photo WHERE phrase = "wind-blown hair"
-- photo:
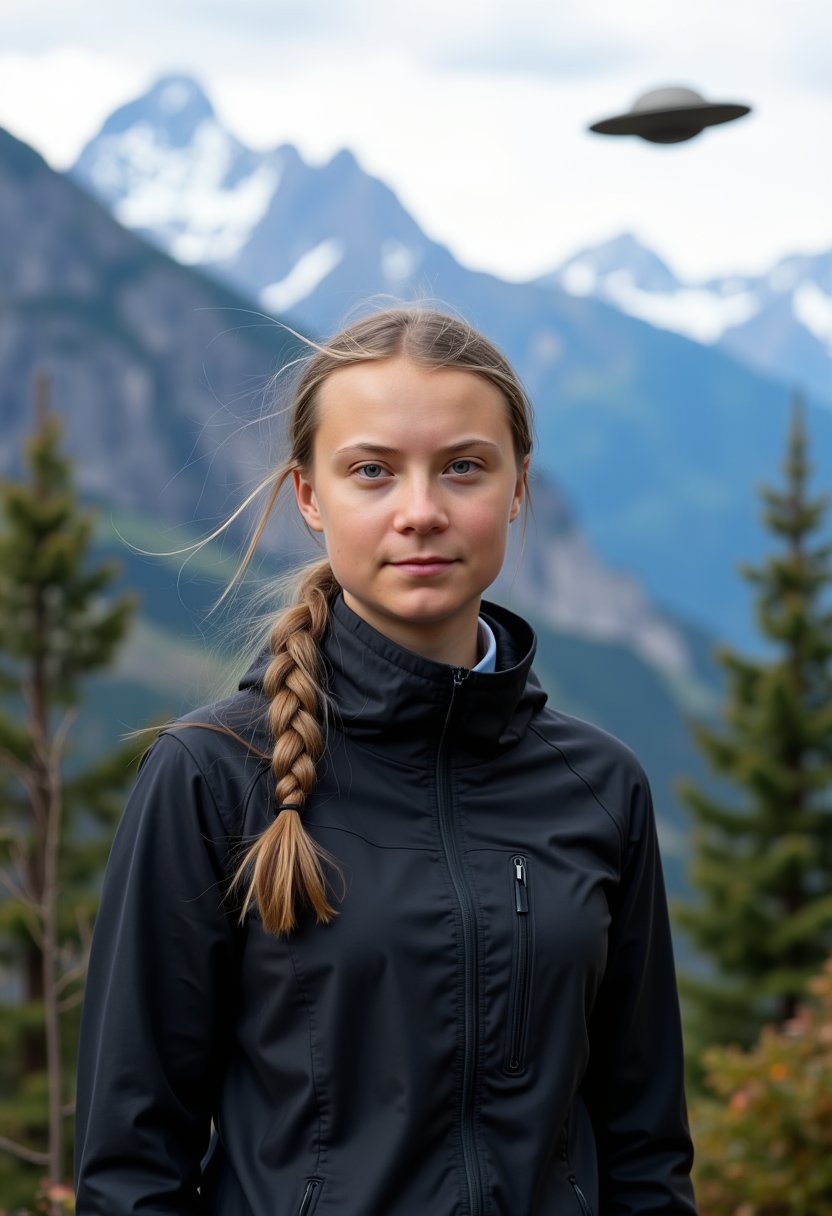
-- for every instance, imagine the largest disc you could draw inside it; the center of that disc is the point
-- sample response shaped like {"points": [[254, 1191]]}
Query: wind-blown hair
{"points": [[285, 865]]}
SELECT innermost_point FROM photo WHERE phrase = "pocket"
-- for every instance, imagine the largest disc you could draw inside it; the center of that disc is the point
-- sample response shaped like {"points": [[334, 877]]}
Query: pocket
{"points": [[583, 1203], [521, 966], [311, 1195]]}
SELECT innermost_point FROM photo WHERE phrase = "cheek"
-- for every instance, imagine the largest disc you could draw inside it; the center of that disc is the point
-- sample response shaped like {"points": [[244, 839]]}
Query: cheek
{"points": [[350, 532], [486, 536], [487, 522]]}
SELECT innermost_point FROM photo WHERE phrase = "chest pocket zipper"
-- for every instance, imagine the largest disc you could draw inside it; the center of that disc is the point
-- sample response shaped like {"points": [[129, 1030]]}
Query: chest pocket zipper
{"points": [[310, 1197], [518, 1013]]}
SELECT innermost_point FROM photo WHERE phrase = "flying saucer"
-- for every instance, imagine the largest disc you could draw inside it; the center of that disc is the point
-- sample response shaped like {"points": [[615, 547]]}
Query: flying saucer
{"points": [[670, 116]]}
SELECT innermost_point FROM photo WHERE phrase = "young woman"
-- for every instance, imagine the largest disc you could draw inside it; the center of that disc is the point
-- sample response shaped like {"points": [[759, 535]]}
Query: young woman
{"points": [[384, 934]]}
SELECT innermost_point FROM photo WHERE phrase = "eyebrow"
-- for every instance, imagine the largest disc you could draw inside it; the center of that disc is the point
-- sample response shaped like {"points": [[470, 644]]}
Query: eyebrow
{"points": [[380, 449]]}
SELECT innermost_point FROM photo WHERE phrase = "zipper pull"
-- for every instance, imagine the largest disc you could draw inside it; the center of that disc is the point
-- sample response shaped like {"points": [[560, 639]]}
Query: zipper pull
{"points": [[460, 674], [521, 894], [309, 1196]]}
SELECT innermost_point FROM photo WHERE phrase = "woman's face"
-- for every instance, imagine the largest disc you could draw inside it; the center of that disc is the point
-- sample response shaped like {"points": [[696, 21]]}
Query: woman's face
{"points": [[414, 481]]}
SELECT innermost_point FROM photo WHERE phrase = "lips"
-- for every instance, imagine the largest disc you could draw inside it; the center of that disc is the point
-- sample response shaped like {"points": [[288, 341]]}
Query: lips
{"points": [[424, 565]]}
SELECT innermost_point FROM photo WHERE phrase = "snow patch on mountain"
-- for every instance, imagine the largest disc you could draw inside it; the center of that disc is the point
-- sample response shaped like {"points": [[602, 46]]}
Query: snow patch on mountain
{"points": [[700, 313], [813, 308], [579, 279], [398, 261], [185, 198], [694, 312], [174, 96], [306, 274]]}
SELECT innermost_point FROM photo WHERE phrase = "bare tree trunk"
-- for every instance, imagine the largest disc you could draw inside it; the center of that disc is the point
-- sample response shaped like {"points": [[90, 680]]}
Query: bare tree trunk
{"points": [[50, 993], [48, 751]]}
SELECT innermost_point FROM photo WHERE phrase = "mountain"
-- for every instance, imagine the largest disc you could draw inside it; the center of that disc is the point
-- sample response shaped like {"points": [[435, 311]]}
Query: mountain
{"points": [[277, 229], [659, 442], [779, 323]]}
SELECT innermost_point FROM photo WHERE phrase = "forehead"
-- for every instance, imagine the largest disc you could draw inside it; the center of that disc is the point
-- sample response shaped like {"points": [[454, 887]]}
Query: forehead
{"points": [[397, 399]]}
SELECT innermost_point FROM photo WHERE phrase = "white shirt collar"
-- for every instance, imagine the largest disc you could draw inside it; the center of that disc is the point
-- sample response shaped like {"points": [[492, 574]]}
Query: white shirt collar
{"points": [[488, 644]]}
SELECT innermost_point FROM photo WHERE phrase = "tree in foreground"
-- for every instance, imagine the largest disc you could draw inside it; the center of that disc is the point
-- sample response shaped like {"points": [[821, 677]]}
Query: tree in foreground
{"points": [[57, 626], [764, 1142], [762, 854]]}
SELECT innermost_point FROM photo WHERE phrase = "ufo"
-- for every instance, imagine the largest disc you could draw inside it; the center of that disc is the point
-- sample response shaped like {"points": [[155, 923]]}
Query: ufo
{"points": [[670, 116]]}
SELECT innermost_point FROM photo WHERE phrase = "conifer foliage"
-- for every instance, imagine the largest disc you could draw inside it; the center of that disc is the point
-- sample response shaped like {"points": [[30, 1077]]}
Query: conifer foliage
{"points": [[763, 851], [57, 626]]}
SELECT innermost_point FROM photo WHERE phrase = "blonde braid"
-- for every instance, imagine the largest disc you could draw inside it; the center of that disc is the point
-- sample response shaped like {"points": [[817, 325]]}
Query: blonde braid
{"points": [[285, 862]]}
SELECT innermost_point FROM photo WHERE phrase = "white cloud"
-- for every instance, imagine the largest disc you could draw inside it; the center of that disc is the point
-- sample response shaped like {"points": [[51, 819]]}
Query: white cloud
{"points": [[56, 99], [720, 37]]}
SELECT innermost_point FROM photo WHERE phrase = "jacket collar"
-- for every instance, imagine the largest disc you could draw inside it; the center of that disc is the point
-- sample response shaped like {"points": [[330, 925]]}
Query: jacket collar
{"points": [[382, 693], [381, 690]]}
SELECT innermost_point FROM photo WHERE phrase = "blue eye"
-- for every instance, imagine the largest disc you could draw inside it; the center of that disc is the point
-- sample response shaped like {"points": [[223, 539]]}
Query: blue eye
{"points": [[371, 471], [468, 463]]}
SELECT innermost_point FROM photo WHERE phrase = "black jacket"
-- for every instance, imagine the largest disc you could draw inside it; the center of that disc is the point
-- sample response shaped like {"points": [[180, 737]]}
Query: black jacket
{"points": [[490, 1025]]}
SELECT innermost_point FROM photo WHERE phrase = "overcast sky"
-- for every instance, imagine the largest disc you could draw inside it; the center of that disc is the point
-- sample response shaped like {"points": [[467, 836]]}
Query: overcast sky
{"points": [[476, 113]]}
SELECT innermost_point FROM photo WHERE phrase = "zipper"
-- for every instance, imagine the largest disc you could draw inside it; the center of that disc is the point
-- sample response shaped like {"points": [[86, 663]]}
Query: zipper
{"points": [[583, 1203], [310, 1197], [521, 979], [469, 954]]}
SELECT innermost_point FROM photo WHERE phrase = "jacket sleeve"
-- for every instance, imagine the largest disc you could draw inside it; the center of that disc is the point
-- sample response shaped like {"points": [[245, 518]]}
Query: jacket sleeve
{"points": [[155, 1012], [634, 1086]]}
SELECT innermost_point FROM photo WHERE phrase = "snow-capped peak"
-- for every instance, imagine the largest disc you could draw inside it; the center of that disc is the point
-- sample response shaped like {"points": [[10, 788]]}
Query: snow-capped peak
{"points": [[166, 166], [626, 274], [794, 300], [174, 95], [174, 107], [622, 253]]}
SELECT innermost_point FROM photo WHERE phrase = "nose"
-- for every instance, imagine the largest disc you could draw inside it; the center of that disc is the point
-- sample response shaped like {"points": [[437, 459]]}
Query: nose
{"points": [[420, 507]]}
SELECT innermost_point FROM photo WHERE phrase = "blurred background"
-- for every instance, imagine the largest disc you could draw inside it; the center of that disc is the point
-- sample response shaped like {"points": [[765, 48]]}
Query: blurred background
{"points": [[176, 183]]}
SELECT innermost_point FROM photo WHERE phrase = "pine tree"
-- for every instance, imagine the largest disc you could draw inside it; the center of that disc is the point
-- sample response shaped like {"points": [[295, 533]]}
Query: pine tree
{"points": [[762, 848], [57, 625]]}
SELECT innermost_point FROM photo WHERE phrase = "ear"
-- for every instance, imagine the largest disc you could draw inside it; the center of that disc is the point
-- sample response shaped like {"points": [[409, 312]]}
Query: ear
{"points": [[306, 500], [519, 491]]}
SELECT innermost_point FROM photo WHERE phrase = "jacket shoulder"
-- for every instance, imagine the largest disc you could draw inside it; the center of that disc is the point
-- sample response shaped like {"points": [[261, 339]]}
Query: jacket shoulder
{"points": [[606, 766], [225, 743]]}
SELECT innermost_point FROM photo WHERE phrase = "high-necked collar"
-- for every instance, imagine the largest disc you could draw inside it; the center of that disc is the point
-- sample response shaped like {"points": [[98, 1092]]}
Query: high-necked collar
{"points": [[382, 690], [383, 693]]}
